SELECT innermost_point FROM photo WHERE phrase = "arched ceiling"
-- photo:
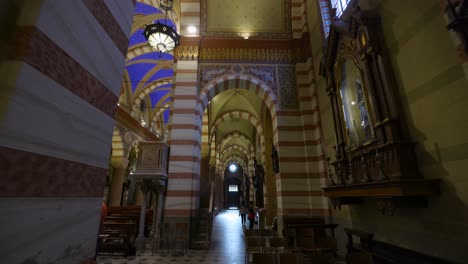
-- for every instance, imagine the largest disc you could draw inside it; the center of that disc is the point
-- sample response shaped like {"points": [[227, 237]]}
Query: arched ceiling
{"points": [[236, 99], [149, 74], [241, 125], [235, 142], [235, 117], [145, 67]]}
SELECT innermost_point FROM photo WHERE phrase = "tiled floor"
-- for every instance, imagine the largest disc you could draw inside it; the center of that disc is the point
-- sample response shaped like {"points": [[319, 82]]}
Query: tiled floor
{"points": [[227, 246]]}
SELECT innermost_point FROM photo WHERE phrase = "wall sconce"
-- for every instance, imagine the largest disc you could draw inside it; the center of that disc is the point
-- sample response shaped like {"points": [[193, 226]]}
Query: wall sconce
{"points": [[458, 19]]}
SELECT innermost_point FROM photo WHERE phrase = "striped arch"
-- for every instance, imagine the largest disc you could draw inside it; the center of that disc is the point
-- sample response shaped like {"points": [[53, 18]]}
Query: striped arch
{"points": [[156, 115], [212, 153], [137, 50], [246, 116], [168, 64], [147, 90], [205, 135], [141, 21], [235, 147], [118, 149], [125, 97], [154, 3], [299, 18], [240, 81], [235, 158], [233, 135]]}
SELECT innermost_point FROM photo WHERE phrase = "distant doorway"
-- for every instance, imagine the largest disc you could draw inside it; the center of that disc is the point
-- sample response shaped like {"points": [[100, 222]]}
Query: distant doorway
{"points": [[232, 186]]}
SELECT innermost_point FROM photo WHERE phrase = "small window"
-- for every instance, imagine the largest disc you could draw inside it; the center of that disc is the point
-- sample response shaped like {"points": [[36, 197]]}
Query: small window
{"points": [[340, 6], [233, 188], [326, 17], [233, 168]]}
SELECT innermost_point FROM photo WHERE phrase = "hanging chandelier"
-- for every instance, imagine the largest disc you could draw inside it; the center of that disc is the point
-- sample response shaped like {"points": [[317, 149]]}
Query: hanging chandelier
{"points": [[162, 37]]}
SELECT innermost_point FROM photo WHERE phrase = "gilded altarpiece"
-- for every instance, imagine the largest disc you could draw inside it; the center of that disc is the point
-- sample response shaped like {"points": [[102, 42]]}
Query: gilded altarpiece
{"points": [[374, 156]]}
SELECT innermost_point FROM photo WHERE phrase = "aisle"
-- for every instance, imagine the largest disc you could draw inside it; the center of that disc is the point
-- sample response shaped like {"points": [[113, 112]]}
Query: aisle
{"points": [[227, 239], [227, 246]]}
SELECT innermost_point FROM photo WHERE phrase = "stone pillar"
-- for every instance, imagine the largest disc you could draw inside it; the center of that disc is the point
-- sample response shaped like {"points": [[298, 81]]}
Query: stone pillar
{"points": [[43, 43], [139, 196], [140, 240], [182, 200], [157, 211], [115, 192]]}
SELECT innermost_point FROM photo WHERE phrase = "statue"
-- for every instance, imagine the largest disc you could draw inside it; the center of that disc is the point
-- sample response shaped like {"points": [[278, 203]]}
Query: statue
{"points": [[259, 179], [247, 189], [259, 175], [274, 158]]}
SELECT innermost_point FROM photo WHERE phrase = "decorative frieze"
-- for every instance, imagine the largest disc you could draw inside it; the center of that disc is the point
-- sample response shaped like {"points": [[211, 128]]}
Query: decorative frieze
{"points": [[287, 82], [265, 73], [188, 52], [247, 55]]}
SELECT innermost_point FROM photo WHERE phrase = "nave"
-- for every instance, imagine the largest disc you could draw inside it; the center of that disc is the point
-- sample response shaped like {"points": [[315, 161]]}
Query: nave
{"points": [[227, 246]]}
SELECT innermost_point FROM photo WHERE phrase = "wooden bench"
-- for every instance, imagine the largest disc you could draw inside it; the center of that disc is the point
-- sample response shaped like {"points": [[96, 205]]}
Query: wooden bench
{"points": [[132, 212], [117, 237]]}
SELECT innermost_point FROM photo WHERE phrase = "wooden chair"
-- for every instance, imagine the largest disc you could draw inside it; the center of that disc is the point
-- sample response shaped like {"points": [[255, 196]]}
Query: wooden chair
{"points": [[264, 258]]}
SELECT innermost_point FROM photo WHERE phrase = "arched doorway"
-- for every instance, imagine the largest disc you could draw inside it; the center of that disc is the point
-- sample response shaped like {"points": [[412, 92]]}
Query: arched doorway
{"points": [[233, 186]]}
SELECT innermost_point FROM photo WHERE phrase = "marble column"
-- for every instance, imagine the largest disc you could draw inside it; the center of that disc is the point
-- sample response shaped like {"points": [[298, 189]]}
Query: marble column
{"points": [[140, 240], [157, 211], [139, 195], [115, 192]]}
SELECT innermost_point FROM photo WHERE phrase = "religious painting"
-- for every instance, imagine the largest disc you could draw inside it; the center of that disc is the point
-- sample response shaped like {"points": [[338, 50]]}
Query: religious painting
{"points": [[354, 104]]}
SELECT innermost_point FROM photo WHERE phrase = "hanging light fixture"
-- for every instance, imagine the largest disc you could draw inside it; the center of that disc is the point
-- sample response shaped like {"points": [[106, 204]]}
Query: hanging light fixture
{"points": [[162, 37]]}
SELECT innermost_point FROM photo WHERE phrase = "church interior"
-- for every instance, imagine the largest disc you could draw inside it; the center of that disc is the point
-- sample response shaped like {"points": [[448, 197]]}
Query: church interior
{"points": [[138, 131]]}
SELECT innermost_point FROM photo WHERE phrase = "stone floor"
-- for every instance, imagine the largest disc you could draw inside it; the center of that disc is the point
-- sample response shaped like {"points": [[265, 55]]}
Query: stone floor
{"points": [[227, 246]]}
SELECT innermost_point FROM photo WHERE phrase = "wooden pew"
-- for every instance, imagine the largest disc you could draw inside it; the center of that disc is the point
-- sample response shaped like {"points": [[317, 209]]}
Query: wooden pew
{"points": [[117, 237], [132, 212]]}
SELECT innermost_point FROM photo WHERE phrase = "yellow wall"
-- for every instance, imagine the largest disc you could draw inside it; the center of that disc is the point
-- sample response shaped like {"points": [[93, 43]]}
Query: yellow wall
{"points": [[434, 90]]}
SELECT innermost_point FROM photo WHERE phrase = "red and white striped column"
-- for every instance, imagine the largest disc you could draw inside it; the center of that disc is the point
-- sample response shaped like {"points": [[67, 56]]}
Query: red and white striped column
{"points": [[60, 80], [182, 198], [190, 15], [299, 18], [301, 159]]}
